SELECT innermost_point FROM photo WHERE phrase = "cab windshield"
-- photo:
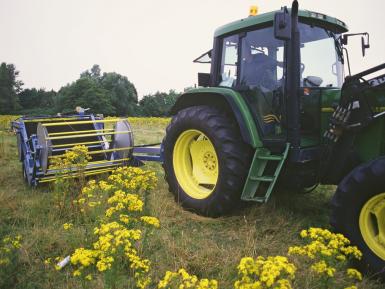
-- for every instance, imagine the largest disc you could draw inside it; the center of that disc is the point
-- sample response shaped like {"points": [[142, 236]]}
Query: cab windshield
{"points": [[320, 57]]}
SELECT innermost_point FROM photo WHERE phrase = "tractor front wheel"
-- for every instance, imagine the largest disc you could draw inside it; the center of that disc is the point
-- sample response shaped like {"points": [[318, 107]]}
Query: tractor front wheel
{"points": [[358, 211], [205, 160]]}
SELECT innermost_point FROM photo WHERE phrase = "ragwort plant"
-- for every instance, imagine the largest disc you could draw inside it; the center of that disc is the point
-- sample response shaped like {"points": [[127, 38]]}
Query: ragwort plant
{"points": [[183, 280], [122, 229], [69, 176], [9, 248], [328, 255], [260, 273]]}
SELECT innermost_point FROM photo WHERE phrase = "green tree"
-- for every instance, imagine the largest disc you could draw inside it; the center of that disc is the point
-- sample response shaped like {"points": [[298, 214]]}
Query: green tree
{"points": [[107, 93], [39, 101], [87, 93], [124, 96], [94, 72], [10, 86], [158, 104]]}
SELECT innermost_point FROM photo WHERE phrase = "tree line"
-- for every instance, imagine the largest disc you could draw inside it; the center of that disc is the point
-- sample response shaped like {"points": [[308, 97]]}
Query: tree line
{"points": [[109, 93]]}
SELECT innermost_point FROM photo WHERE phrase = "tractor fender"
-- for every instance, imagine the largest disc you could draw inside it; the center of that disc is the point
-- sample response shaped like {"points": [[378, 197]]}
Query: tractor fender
{"points": [[226, 99]]}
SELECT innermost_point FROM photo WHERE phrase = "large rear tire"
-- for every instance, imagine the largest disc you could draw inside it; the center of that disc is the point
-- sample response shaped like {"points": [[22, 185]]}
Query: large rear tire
{"points": [[205, 161], [358, 212]]}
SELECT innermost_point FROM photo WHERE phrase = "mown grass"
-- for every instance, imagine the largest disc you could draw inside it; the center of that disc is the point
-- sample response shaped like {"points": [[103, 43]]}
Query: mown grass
{"points": [[209, 248]]}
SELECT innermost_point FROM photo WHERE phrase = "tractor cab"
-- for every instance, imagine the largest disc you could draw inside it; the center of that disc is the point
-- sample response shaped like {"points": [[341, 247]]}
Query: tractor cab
{"points": [[248, 57]]}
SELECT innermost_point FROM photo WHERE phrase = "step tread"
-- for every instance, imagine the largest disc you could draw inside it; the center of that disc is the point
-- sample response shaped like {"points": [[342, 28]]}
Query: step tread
{"points": [[262, 178]]}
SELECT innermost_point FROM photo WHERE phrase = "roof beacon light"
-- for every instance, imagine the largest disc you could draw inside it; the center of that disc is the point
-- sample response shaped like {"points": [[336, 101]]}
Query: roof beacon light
{"points": [[253, 10]]}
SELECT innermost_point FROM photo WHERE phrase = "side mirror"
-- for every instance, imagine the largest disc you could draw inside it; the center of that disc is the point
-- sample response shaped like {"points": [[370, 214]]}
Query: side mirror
{"points": [[282, 25], [364, 45], [203, 79]]}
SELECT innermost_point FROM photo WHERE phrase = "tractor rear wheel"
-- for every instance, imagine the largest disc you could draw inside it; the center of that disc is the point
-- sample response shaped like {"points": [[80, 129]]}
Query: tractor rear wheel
{"points": [[358, 211], [205, 160]]}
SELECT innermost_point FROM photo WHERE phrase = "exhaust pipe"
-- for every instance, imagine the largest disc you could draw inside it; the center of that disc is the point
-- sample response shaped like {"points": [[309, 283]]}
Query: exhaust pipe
{"points": [[292, 85]]}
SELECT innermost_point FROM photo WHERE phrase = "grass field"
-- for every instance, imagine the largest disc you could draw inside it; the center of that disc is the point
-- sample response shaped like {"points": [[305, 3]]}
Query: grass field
{"points": [[208, 248]]}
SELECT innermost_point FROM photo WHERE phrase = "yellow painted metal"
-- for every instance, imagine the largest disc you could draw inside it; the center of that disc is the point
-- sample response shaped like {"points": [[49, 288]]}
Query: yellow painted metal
{"points": [[98, 151], [327, 109], [74, 132], [108, 161], [90, 164], [330, 109], [379, 109], [372, 224], [87, 135], [79, 143], [83, 121], [75, 175], [195, 164]]}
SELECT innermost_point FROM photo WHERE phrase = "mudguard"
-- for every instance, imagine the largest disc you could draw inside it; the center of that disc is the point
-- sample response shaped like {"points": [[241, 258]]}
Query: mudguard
{"points": [[225, 98]]}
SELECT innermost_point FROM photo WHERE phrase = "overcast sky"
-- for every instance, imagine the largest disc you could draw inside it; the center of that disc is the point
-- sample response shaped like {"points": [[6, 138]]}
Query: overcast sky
{"points": [[152, 42]]}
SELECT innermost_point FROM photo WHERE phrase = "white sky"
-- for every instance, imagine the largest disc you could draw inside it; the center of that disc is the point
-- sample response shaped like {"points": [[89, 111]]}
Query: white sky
{"points": [[152, 42]]}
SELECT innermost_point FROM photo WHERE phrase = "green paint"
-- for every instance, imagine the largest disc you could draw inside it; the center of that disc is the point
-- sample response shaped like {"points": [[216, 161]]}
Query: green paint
{"points": [[237, 100], [370, 142], [329, 99], [330, 22], [256, 174]]}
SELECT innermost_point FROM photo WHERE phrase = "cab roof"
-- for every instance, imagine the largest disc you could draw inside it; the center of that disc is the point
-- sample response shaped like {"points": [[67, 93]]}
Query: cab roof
{"points": [[331, 23]]}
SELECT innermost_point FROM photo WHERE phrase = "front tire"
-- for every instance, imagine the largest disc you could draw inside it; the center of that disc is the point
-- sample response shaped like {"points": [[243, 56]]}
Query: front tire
{"points": [[358, 212], [205, 161]]}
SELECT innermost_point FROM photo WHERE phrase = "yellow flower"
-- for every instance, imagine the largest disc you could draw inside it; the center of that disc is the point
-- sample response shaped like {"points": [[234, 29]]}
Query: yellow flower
{"points": [[88, 277], [354, 274], [83, 257], [182, 279], [47, 261], [151, 221], [4, 261], [322, 268], [265, 272], [67, 226], [77, 273]]}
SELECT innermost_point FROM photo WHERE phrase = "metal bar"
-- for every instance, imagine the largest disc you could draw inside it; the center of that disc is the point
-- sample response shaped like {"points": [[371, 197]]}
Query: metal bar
{"points": [[87, 135], [99, 151], [66, 148], [106, 161], [50, 179], [149, 158], [109, 150], [80, 131], [81, 122], [90, 166], [368, 71], [147, 150], [51, 119], [79, 143]]}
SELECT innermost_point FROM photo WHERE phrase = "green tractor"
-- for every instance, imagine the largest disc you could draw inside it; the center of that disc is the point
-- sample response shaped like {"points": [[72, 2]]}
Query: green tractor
{"points": [[277, 108]]}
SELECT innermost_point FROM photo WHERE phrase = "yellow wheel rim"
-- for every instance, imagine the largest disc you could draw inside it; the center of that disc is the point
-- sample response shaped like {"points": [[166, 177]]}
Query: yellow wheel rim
{"points": [[372, 224], [195, 164]]}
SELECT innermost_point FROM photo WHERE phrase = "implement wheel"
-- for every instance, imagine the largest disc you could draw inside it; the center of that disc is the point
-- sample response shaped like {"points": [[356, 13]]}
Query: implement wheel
{"points": [[205, 161], [358, 211]]}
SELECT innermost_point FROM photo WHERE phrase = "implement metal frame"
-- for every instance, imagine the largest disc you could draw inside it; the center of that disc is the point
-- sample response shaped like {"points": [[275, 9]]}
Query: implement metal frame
{"points": [[29, 150]]}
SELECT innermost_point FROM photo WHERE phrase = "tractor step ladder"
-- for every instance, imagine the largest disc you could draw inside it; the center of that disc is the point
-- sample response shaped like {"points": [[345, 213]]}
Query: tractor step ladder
{"points": [[256, 175]]}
